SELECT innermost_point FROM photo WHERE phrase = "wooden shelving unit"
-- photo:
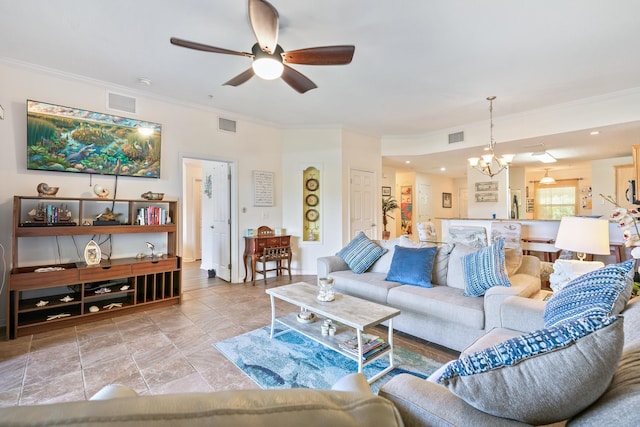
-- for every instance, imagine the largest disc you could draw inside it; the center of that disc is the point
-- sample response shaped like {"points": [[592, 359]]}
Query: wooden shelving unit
{"points": [[75, 290]]}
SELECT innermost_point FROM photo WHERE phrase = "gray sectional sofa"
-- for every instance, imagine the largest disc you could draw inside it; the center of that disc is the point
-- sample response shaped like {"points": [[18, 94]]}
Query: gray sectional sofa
{"points": [[425, 403], [440, 314]]}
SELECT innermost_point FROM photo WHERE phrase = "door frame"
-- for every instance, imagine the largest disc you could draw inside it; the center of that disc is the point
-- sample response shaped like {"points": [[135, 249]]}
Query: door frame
{"points": [[233, 189]]}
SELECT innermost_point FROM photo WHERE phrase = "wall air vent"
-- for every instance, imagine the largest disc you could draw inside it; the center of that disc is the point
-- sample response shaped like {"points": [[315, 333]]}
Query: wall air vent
{"points": [[226, 125], [121, 102], [456, 137]]}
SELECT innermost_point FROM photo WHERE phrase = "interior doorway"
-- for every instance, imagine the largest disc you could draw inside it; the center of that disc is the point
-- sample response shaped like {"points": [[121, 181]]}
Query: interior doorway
{"points": [[209, 231]]}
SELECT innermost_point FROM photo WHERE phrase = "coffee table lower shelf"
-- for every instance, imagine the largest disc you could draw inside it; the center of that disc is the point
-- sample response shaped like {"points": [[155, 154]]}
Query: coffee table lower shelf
{"points": [[313, 331]]}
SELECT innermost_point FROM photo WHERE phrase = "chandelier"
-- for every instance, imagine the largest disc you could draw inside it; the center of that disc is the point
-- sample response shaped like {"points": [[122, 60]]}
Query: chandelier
{"points": [[489, 164]]}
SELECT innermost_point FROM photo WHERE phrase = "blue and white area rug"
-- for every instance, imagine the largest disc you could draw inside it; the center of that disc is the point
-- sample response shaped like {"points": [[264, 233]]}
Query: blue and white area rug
{"points": [[292, 360]]}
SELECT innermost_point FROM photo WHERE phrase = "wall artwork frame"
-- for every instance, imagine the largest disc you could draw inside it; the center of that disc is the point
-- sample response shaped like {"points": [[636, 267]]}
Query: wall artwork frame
{"points": [[486, 197], [386, 191], [446, 200], [263, 188], [406, 208]]}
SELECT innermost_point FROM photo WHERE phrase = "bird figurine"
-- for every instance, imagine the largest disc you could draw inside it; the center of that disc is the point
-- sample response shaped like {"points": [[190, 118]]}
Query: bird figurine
{"points": [[45, 191], [152, 247], [101, 192]]}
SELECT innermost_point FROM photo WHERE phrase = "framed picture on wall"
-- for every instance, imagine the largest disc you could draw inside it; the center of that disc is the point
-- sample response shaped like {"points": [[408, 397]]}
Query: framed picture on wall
{"points": [[386, 191], [446, 200]]}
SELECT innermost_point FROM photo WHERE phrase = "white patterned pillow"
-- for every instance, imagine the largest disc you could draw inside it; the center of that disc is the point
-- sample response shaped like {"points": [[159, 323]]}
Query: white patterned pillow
{"points": [[360, 253], [542, 377], [484, 269], [603, 292]]}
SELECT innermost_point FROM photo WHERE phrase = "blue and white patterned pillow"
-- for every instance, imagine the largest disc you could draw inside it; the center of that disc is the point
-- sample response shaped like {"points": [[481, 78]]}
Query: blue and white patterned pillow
{"points": [[484, 269], [515, 350], [603, 292], [360, 253]]}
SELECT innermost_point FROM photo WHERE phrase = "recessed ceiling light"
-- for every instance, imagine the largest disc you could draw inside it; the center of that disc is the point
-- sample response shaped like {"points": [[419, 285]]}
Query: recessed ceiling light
{"points": [[407, 161], [443, 169], [144, 81], [595, 132]]}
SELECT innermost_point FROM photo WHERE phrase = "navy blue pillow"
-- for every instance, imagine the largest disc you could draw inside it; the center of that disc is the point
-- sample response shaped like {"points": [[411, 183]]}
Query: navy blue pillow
{"points": [[412, 266]]}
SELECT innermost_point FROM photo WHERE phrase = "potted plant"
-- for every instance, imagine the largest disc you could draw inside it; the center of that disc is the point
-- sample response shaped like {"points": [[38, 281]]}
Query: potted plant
{"points": [[388, 204]]}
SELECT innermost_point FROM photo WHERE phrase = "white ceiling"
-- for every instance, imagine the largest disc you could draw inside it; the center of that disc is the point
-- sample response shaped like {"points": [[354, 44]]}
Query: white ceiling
{"points": [[419, 65]]}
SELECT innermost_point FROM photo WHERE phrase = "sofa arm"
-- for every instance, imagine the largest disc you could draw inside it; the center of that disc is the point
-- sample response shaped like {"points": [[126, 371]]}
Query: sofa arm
{"points": [[530, 265], [522, 285], [423, 403], [522, 314], [328, 264]]}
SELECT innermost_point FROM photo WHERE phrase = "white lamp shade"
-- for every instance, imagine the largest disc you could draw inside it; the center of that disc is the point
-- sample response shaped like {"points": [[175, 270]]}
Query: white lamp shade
{"points": [[583, 235]]}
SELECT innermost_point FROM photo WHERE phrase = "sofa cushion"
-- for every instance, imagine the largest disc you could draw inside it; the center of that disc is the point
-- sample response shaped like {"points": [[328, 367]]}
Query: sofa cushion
{"points": [[455, 275], [602, 292], [412, 266], [442, 302], [484, 269], [512, 260], [543, 377], [360, 253], [370, 286], [441, 264]]}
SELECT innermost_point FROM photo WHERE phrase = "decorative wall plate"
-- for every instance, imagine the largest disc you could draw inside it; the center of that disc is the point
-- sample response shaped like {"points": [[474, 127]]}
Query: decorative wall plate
{"points": [[312, 184], [312, 200], [92, 253], [312, 215]]}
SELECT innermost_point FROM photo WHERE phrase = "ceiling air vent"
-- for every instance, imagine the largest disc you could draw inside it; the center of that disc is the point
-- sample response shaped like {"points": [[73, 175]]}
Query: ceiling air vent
{"points": [[121, 102], [226, 125], [456, 137]]}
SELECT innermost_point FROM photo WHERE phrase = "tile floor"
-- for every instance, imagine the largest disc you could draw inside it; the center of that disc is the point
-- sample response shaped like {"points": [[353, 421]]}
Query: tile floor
{"points": [[166, 350]]}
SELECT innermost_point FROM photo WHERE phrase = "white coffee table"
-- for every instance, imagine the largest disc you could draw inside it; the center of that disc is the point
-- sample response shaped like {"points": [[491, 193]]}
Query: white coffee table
{"points": [[346, 312]]}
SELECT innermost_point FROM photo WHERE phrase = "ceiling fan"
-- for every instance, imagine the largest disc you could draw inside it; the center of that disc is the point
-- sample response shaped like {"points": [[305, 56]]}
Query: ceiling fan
{"points": [[270, 61]]}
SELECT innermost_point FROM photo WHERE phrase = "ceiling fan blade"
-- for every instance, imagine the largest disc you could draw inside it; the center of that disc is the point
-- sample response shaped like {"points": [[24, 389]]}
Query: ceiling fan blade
{"points": [[297, 80], [323, 55], [206, 48], [240, 78], [264, 23]]}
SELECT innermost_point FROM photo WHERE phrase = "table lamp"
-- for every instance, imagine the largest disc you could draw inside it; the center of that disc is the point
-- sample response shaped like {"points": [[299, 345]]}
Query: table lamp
{"points": [[583, 236]]}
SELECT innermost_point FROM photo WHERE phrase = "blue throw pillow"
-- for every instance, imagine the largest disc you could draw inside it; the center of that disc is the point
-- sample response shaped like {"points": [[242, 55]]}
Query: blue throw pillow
{"points": [[484, 269], [602, 292], [360, 253], [412, 266]]}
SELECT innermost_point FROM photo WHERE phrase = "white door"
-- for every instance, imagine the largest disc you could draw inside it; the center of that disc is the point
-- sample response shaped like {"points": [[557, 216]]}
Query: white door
{"points": [[362, 209], [425, 208], [216, 219]]}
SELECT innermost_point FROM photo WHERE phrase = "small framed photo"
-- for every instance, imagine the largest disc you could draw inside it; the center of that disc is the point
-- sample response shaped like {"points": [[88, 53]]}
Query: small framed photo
{"points": [[386, 191], [446, 200]]}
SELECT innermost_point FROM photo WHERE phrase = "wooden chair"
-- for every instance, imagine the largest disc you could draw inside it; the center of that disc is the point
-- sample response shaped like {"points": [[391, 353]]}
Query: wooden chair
{"points": [[264, 230], [282, 258]]}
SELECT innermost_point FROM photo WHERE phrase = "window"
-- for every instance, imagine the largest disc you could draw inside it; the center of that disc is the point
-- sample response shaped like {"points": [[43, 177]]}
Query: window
{"points": [[553, 201]]}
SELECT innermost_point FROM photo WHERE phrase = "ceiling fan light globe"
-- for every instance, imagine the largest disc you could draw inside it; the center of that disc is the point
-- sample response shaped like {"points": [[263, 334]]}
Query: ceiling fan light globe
{"points": [[267, 68]]}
